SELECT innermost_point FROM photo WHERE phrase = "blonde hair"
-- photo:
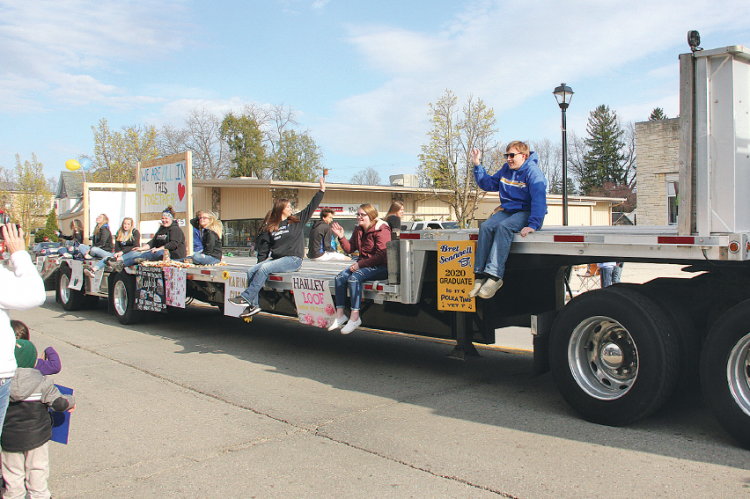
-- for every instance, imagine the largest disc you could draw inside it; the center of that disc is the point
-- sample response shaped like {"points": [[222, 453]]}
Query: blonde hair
{"points": [[105, 220], [121, 234], [521, 147], [395, 208], [215, 224]]}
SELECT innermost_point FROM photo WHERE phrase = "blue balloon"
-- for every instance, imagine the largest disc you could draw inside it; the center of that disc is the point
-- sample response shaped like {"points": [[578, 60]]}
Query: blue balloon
{"points": [[85, 164]]}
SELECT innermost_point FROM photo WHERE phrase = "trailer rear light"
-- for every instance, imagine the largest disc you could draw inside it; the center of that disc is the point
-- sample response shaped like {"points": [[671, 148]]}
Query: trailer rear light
{"points": [[409, 236], [206, 272], [569, 239], [369, 286], [734, 246], [275, 278], [676, 240], [473, 237]]}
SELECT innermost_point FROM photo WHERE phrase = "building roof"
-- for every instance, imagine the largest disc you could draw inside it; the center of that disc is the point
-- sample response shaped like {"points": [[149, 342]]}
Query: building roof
{"points": [[70, 185]]}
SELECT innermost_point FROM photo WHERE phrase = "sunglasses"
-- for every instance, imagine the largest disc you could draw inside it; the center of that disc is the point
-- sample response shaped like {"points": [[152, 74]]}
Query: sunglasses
{"points": [[511, 155]]}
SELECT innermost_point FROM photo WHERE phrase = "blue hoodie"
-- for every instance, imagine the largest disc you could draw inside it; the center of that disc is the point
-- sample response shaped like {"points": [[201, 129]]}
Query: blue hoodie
{"points": [[524, 189]]}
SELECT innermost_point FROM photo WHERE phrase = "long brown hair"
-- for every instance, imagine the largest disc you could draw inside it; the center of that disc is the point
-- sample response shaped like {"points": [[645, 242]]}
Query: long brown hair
{"points": [[395, 208], [105, 221], [274, 219]]}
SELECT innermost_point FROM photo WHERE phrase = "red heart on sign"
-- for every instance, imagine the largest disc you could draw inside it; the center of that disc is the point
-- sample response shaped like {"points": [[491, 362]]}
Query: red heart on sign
{"points": [[181, 191]]}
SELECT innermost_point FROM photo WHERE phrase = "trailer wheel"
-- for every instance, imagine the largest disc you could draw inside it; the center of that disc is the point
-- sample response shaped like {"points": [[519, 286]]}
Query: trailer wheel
{"points": [[725, 371], [71, 299], [123, 299], [614, 356]]}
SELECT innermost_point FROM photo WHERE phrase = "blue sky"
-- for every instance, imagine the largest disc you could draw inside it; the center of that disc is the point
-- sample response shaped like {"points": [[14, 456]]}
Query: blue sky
{"points": [[360, 74]]}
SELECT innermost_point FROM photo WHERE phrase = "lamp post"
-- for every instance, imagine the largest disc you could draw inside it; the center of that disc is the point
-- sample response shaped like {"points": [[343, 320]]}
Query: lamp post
{"points": [[564, 94]]}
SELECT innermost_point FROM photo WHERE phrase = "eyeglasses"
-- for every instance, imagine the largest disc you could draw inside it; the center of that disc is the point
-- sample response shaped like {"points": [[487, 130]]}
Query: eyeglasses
{"points": [[511, 155], [361, 215], [205, 218]]}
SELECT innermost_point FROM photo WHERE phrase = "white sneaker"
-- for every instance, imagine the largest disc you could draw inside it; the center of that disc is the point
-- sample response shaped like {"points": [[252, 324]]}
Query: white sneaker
{"points": [[351, 326], [477, 286], [337, 323], [489, 288]]}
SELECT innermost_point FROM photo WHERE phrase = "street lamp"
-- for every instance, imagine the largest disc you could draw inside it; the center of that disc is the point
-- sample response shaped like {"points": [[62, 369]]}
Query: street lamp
{"points": [[564, 94]]}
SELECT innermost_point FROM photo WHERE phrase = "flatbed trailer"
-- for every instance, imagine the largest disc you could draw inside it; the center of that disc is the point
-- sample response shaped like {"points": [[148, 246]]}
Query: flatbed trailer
{"points": [[617, 354]]}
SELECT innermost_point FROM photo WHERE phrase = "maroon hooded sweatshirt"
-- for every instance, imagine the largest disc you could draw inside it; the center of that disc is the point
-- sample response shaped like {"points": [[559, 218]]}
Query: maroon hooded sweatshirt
{"points": [[371, 244]]}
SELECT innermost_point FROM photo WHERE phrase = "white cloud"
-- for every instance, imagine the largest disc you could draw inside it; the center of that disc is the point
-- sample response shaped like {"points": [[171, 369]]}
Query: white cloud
{"points": [[508, 52], [319, 4], [57, 46]]}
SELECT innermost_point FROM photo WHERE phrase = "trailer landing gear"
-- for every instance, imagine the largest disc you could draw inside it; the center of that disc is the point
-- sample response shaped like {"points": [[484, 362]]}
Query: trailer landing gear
{"points": [[464, 349]]}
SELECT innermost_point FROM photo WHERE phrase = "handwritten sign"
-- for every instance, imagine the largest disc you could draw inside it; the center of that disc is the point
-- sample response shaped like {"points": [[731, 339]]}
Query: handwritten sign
{"points": [[456, 275], [149, 293], [162, 186], [314, 302], [234, 284], [76, 275]]}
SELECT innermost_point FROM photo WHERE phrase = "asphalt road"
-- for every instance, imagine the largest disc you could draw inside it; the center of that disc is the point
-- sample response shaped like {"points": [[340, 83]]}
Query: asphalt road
{"points": [[194, 404]]}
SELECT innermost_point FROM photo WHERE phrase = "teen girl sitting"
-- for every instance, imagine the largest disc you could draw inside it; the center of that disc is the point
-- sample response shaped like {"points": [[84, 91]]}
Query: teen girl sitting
{"points": [[210, 229]]}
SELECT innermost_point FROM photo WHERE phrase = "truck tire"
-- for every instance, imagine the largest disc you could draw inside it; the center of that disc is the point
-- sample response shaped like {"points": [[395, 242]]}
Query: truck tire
{"points": [[70, 299], [614, 356], [687, 335], [725, 371], [123, 299]]}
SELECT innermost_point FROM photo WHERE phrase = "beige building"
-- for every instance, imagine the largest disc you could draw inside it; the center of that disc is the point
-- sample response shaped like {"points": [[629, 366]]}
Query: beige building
{"points": [[658, 148], [242, 203]]}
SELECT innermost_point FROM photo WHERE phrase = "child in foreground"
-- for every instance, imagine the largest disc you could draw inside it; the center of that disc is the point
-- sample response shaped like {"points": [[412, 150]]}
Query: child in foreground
{"points": [[50, 361], [27, 428]]}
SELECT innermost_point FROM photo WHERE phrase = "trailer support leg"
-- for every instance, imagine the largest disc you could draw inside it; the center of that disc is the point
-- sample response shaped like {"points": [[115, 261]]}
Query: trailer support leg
{"points": [[462, 327]]}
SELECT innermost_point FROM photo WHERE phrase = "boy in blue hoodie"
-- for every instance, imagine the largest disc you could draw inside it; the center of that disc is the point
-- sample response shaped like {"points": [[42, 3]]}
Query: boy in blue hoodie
{"points": [[523, 204]]}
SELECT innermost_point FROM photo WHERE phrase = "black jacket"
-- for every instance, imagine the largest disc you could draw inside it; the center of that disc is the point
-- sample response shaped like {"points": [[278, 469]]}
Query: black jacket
{"points": [[76, 236], [127, 245], [27, 422], [320, 239], [210, 240], [289, 238], [103, 240], [170, 238]]}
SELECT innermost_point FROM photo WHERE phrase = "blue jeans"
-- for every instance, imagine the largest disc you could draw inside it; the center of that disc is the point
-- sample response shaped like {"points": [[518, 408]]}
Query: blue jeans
{"points": [[606, 274], [495, 238], [96, 252], [617, 273], [127, 258], [353, 281], [258, 274], [4, 398], [201, 259]]}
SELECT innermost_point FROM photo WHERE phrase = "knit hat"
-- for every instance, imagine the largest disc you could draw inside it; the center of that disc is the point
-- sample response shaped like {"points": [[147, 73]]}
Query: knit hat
{"points": [[25, 353]]}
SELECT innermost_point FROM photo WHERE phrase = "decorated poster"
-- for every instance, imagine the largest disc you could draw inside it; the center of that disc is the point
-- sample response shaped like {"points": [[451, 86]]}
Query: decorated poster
{"points": [[76, 274], [47, 266], [149, 292], [96, 281], [175, 280], [162, 186], [456, 275], [234, 284], [314, 302]]}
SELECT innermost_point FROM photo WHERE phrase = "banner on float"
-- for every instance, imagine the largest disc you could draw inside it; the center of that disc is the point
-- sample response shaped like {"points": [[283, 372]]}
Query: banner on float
{"points": [[314, 302], [150, 294], [456, 275], [76, 275], [176, 286], [234, 284]]}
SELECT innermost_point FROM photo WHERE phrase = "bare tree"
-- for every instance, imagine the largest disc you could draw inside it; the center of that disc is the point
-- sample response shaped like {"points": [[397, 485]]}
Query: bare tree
{"points": [[445, 163], [210, 152], [368, 176], [550, 162]]}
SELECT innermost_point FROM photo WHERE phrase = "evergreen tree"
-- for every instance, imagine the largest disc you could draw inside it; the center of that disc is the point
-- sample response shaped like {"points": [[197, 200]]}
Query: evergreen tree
{"points": [[297, 157], [604, 158], [50, 228], [657, 114]]}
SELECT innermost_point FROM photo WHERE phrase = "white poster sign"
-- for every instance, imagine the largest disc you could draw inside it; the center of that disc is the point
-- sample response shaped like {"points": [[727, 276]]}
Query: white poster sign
{"points": [[176, 286], [314, 302], [162, 186], [76, 275], [234, 284]]}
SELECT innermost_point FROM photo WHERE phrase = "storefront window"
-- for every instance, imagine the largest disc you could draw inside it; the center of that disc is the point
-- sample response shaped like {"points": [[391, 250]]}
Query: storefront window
{"points": [[672, 202]]}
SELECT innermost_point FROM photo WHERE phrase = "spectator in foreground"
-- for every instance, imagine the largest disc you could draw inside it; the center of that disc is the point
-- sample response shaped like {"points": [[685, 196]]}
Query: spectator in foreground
{"points": [[49, 363], [21, 289], [27, 428]]}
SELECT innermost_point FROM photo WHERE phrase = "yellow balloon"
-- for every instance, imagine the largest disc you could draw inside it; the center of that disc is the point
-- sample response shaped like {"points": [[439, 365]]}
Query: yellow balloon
{"points": [[72, 165]]}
